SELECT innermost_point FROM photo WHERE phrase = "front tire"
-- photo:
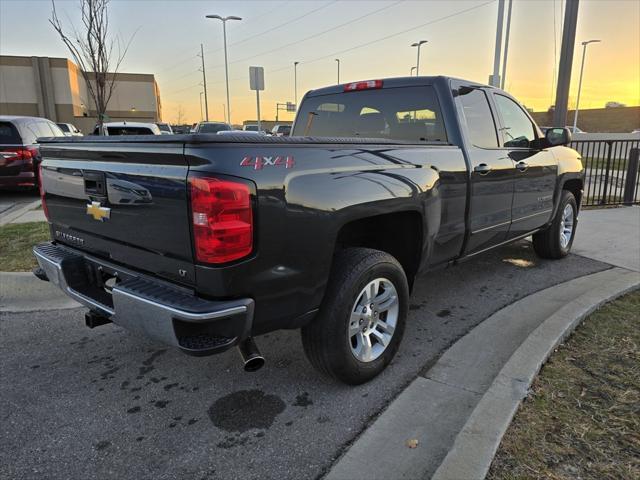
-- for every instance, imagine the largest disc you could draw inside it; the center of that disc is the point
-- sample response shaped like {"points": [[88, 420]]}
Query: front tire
{"points": [[362, 318], [556, 240]]}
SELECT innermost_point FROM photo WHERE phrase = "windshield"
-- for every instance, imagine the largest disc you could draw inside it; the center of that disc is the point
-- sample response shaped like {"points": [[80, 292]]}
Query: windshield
{"points": [[213, 127], [407, 113]]}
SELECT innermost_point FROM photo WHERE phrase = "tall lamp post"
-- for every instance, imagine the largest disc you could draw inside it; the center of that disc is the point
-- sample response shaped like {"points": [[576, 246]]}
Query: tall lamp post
{"points": [[584, 53], [226, 62], [417, 44], [295, 83], [338, 60]]}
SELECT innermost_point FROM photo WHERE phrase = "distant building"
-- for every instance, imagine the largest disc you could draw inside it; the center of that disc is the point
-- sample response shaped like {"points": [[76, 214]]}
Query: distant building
{"points": [[54, 88]]}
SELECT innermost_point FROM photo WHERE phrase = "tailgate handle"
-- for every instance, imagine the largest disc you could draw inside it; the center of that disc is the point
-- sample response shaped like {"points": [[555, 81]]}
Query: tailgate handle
{"points": [[95, 183]]}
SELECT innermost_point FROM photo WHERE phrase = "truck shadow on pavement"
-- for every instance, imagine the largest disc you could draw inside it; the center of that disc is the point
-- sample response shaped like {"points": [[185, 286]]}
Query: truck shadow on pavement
{"points": [[102, 403]]}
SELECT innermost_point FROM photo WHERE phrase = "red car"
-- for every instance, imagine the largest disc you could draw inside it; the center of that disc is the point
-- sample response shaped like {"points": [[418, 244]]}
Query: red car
{"points": [[19, 152]]}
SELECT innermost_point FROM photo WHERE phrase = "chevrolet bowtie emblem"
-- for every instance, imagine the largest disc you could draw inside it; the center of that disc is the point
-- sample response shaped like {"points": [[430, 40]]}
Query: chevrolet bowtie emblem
{"points": [[98, 212]]}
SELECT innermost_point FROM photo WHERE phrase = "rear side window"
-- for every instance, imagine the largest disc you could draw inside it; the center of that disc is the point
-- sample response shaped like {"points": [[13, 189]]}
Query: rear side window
{"points": [[408, 113], [64, 127], [129, 131], [9, 134], [480, 123]]}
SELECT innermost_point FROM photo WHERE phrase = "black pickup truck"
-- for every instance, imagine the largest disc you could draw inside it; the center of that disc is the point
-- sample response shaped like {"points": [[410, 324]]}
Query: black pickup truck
{"points": [[205, 241]]}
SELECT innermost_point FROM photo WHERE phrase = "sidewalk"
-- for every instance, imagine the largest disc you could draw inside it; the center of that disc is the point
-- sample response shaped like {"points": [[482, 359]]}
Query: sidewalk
{"points": [[448, 423], [21, 212]]}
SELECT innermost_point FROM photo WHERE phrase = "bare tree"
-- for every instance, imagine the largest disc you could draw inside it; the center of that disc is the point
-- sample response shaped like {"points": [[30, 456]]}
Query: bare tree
{"points": [[92, 48]]}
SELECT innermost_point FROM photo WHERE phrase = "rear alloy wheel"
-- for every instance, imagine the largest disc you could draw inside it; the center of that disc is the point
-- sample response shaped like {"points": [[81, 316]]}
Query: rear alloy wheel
{"points": [[556, 240], [373, 320], [360, 324]]}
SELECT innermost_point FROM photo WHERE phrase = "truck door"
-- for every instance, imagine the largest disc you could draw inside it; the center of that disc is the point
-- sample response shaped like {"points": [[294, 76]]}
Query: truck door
{"points": [[536, 169], [492, 171]]}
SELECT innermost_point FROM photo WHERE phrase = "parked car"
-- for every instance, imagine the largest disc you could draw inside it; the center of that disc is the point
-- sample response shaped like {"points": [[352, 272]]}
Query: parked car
{"points": [[165, 128], [281, 130], [19, 150], [240, 132], [570, 128], [211, 127], [128, 128], [326, 231], [69, 129], [253, 127]]}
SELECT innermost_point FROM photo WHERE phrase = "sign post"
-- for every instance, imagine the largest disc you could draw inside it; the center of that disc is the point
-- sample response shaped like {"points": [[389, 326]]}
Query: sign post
{"points": [[256, 82]]}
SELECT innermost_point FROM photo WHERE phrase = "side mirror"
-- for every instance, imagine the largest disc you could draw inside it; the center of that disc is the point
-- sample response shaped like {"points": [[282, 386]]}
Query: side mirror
{"points": [[558, 136]]}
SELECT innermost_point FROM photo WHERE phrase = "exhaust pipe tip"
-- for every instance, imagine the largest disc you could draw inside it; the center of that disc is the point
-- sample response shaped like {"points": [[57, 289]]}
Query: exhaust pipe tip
{"points": [[251, 356]]}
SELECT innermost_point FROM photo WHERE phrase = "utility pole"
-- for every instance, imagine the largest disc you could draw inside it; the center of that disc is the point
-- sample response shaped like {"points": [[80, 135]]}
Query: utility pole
{"points": [[584, 54], [506, 46], [494, 79], [204, 83], [566, 59], [201, 117], [338, 60]]}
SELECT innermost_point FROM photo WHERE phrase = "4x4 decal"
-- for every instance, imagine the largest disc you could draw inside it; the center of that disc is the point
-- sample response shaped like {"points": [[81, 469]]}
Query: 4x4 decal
{"points": [[258, 163]]}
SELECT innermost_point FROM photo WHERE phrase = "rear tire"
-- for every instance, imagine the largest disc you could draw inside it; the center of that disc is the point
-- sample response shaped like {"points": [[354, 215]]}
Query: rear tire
{"points": [[349, 340], [556, 240]]}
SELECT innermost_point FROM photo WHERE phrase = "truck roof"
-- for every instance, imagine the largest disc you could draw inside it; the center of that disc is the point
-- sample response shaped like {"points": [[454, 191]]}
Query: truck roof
{"points": [[393, 82]]}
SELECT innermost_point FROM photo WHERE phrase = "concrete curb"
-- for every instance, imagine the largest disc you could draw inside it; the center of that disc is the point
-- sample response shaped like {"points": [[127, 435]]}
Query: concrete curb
{"points": [[22, 292], [18, 212], [460, 408], [477, 443]]}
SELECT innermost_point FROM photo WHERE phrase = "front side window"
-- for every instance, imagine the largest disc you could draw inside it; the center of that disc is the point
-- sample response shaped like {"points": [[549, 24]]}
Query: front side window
{"points": [[411, 114], [517, 130], [477, 113]]}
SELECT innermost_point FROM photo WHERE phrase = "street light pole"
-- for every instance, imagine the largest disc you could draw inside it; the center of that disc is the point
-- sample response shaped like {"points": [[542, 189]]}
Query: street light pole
{"points": [[411, 72], [338, 60], [506, 46], [417, 44], [201, 117], [226, 62], [295, 83], [584, 53], [495, 77]]}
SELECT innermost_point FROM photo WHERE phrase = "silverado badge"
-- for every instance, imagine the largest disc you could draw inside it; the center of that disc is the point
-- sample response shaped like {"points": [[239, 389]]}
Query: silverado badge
{"points": [[98, 212]]}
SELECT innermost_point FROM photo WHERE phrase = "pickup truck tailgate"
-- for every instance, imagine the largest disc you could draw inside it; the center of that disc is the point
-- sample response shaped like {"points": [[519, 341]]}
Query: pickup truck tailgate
{"points": [[123, 201]]}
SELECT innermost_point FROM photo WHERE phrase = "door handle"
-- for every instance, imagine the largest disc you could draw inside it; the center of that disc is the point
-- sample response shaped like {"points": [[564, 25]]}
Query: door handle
{"points": [[482, 169], [522, 166]]}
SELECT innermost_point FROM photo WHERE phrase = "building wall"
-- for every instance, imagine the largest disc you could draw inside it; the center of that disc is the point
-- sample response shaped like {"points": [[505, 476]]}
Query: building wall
{"points": [[55, 88], [598, 120]]}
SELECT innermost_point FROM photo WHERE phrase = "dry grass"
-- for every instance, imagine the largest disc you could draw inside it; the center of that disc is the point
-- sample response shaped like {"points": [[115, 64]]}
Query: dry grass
{"points": [[16, 240], [582, 420]]}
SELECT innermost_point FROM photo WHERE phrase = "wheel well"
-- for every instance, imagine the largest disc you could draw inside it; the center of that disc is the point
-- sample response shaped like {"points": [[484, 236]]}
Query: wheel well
{"points": [[574, 186], [399, 234]]}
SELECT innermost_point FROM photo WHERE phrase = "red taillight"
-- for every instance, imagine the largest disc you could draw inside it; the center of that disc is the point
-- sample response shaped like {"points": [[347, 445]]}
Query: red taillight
{"points": [[19, 153], [222, 219], [41, 187], [369, 84]]}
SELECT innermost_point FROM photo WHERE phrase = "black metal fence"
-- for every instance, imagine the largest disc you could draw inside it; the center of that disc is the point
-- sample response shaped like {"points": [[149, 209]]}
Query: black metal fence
{"points": [[612, 173]]}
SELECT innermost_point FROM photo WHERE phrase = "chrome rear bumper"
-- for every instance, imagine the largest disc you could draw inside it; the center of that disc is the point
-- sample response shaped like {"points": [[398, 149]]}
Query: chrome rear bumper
{"points": [[145, 305]]}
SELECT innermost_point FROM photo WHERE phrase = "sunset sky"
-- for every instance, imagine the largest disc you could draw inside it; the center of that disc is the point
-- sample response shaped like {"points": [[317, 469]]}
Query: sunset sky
{"points": [[371, 38]]}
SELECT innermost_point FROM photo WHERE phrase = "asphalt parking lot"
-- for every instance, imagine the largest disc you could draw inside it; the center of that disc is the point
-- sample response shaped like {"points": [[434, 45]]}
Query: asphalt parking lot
{"points": [[80, 403]]}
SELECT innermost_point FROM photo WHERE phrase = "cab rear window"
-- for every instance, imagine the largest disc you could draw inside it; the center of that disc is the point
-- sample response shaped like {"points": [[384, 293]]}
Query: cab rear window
{"points": [[411, 114], [9, 134]]}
